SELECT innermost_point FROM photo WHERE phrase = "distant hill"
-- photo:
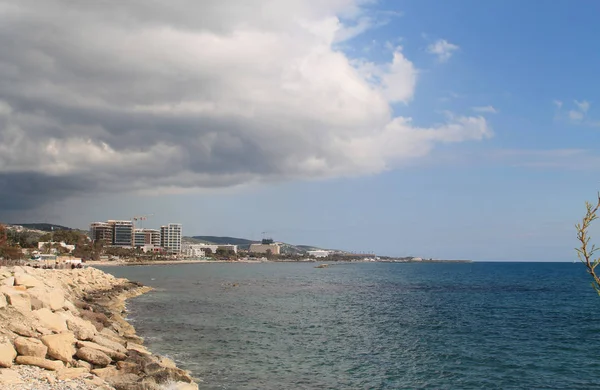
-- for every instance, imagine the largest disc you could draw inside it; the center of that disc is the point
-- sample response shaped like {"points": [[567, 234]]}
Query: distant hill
{"points": [[244, 244], [45, 227]]}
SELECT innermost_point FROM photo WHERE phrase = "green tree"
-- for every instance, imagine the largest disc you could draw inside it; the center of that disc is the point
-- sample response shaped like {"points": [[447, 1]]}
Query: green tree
{"points": [[585, 252]]}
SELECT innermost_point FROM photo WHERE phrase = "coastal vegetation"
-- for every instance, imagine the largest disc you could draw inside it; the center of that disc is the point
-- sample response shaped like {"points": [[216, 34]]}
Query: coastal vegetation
{"points": [[585, 252]]}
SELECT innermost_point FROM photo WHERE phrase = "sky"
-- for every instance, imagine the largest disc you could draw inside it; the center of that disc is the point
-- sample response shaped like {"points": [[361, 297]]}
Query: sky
{"points": [[455, 130]]}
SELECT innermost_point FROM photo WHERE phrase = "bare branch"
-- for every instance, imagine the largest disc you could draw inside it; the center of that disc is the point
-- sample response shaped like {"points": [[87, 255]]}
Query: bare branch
{"points": [[585, 252]]}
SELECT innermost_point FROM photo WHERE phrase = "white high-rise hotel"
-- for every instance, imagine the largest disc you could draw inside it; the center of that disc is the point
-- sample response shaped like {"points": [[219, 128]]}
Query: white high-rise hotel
{"points": [[170, 237]]}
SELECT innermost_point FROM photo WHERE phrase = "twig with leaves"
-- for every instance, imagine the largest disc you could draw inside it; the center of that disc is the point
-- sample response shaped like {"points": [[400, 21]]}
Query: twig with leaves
{"points": [[585, 252]]}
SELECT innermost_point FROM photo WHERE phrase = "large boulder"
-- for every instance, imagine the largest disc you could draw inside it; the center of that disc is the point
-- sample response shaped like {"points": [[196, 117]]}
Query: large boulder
{"points": [[53, 365], [106, 342], [7, 354], [83, 330], [30, 347], [51, 298], [27, 280], [138, 348], [60, 346], [110, 352], [50, 320], [17, 298], [94, 356], [9, 281], [107, 372], [22, 329]]}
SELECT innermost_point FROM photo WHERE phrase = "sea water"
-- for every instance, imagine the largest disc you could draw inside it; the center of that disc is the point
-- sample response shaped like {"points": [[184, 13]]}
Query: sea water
{"points": [[373, 325]]}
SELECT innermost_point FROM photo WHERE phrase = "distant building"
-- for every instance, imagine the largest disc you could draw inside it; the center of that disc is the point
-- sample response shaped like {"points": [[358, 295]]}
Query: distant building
{"points": [[214, 247], [139, 238], [68, 247], [264, 248], [101, 231], [170, 237], [151, 237], [193, 250], [122, 233], [318, 253]]}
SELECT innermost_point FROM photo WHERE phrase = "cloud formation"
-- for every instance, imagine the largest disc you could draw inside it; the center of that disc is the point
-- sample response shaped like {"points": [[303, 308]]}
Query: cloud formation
{"points": [[485, 109], [181, 94], [442, 49]]}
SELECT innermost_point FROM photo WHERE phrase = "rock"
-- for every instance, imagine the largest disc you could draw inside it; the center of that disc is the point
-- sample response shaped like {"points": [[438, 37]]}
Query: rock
{"points": [[138, 348], [53, 365], [7, 354], [51, 298], [128, 367], [166, 362], [27, 280], [129, 382], [19, 299], [110, 352], [30, 347], [105, 372], [83, 330], [60, 346], [36, 304], [111, 335], [43, 331], [51, 320], [72, 373], [99, 320], [10, 377], [94, 356], [97, 384], [10, 281], [109, 344], [83, 363], [3, 302], [22, 329]]}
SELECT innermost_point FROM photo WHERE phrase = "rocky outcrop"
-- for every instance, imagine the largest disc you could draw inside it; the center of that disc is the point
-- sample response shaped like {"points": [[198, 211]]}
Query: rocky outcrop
{"points": [[71, 324]]}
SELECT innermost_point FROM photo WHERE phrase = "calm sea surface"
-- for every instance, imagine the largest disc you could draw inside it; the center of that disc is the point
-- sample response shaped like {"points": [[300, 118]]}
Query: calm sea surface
{"points": [[374, 325]]}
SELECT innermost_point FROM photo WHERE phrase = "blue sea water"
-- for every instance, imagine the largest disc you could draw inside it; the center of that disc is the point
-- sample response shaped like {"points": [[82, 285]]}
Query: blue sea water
{"points": [[374, 325]]}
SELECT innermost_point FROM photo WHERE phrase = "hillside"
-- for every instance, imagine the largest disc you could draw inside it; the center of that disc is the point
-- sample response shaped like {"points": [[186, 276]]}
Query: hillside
{"points": [[244, 244], [45, 227]]}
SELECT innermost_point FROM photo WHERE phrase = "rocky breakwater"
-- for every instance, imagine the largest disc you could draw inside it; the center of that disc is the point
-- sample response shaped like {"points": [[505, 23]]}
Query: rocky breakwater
{"points": [[64, 329]]}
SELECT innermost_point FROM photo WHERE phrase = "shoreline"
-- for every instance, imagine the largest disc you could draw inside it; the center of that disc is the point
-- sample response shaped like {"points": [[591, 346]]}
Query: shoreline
{"points": [[67, 328]]}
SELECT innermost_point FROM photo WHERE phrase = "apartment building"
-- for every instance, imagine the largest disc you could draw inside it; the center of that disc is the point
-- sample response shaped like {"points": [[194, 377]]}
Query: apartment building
{"points": [[170, 237]]}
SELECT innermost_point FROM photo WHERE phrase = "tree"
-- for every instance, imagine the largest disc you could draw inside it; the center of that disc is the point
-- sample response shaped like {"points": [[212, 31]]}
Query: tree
{"points": [[585, 252]]}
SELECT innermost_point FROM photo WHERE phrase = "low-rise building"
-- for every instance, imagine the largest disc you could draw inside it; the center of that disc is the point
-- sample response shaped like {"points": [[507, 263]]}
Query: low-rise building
{"points": [[193, 250], [48, 244], [318, 253], [265, 248]]}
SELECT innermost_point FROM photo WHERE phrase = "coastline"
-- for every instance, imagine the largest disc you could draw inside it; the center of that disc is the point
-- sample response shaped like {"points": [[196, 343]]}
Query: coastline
{"points": [[61, 329]]}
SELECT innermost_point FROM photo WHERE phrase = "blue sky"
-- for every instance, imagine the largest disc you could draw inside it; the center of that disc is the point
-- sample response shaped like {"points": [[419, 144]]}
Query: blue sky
{"points": [[528, 68]]}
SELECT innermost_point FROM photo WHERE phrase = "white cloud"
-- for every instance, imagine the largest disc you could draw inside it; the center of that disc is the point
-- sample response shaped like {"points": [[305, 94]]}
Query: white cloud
{"points": [[485, 109], [583, 105], [442, 49], [558, 104], [578, 114], [186, 94]]}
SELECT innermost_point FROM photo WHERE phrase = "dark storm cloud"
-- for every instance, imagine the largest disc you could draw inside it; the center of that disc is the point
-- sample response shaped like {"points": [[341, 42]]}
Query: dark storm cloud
{"points": [[150, 95]]}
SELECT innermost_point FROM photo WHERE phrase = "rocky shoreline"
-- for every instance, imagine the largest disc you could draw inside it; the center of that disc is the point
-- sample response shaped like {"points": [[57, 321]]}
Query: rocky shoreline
{"points": [[65, 329]]}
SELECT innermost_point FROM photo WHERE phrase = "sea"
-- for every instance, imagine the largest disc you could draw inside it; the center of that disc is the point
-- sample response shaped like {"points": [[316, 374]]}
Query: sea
{"points": [[502, 325]]}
